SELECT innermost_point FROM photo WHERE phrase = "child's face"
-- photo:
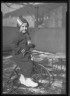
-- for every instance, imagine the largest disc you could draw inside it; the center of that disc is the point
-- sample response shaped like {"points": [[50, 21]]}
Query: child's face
{"points": [[23, 28]]}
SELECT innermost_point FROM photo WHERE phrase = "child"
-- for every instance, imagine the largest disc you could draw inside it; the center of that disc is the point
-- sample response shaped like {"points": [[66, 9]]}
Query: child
{"points": [[20, 45]]}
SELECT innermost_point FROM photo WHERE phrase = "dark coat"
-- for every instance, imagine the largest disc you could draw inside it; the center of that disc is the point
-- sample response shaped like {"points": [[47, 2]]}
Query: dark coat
{"points": [[20, 43], [24, 62]]}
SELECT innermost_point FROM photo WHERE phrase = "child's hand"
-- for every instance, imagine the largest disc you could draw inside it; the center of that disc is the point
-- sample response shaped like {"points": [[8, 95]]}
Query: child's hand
{"points": [[29, 42]]}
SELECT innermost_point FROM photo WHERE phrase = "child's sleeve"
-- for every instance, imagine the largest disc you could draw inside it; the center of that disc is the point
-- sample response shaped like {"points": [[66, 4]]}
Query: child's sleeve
{"points": [[14, 43]]}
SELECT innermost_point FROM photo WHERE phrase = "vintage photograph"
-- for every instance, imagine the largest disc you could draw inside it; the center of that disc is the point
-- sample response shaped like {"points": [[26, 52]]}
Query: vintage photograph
{"points": [[34, 48]]}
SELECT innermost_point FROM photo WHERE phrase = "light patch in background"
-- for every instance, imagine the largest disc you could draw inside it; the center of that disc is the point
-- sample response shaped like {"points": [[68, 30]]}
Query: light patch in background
{"points": [[9, 22], [6, 9], [12, 21]]}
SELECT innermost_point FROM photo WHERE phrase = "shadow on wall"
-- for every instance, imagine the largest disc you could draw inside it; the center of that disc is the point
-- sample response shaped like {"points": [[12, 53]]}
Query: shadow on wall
{"points": [[50, 40]]}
